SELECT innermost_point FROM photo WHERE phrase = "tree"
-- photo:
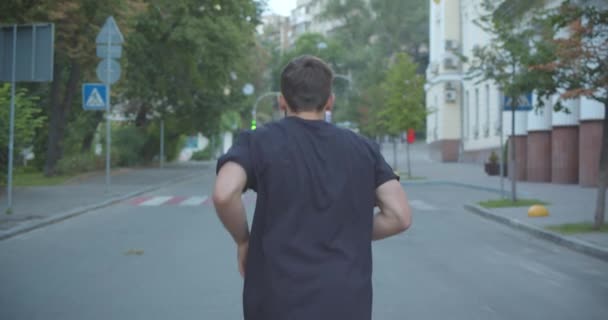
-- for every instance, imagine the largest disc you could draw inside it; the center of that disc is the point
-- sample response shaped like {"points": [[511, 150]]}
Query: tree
{"points": [[372, 32], [578, 68], [182, 59], [404, 91], [28, 119], [76, 25], [504, 60]]}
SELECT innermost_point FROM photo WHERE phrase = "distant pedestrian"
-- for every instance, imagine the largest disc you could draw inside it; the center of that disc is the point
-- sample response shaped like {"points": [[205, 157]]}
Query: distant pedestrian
{"points": [[309, 254]]}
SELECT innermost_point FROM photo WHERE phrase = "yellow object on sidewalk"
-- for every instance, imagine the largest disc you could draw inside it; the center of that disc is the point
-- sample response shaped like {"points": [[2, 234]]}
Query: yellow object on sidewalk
{"points": [[538, 211]]}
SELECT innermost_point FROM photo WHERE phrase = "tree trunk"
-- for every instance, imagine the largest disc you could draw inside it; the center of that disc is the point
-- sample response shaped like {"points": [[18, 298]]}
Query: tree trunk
{"points": [[513, 167], [58, 119], [87, 141], [140, 118], [55, 114], [603, 175]]}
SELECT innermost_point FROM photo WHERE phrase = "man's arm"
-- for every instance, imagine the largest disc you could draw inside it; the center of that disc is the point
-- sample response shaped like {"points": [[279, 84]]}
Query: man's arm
{"points": [[395, 215], [229, 185]]}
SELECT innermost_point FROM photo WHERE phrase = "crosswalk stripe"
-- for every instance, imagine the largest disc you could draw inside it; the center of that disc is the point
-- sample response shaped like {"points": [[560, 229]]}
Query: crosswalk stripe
{"points": [[193, 201], [421, 205], [156, 201], [175, 200], [139, 200]]}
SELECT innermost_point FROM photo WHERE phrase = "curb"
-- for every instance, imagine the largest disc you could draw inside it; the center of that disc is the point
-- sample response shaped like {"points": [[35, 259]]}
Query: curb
{"points": [[458, 184], [571, 243], [27, 227]]}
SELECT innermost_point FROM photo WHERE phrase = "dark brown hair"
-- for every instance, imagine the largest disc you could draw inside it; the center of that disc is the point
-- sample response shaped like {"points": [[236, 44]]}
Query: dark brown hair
{"points": [[306, 83]]}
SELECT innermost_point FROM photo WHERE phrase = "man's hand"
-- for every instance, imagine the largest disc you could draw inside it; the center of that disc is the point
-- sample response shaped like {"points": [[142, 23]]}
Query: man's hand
{"points": [[242, 250]]}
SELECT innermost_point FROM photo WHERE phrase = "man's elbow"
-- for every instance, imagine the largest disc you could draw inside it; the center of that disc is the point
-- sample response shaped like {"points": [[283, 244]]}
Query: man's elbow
{"points": [[222, 198], [405, 220]]}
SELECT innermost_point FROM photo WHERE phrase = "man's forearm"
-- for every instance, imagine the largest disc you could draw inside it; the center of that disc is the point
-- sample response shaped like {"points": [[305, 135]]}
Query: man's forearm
{"points": [[232, 214], [385, 226]]}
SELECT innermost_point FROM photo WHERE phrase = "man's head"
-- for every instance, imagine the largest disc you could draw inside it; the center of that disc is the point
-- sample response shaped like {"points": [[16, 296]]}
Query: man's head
{"points": [[306, 85]]}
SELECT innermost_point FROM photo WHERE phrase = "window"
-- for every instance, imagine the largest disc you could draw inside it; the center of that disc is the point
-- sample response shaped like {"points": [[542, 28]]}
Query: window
{"points": [[466, 116], [435, 132], [476, 130], [487, 125]]}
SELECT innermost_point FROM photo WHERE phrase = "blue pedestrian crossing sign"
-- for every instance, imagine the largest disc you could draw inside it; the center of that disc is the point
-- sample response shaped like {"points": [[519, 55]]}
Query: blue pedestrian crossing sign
{"points": [[94, 96], [523, 103]]}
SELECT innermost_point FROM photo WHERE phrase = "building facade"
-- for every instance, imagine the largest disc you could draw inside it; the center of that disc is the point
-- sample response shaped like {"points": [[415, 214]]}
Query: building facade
{"points": [[276, 29], [467, 123], [308, 17]]}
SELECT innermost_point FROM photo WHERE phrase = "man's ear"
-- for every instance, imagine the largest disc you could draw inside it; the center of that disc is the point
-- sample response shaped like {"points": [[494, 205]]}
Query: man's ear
{"points": [[282, 103], [330, 103]]}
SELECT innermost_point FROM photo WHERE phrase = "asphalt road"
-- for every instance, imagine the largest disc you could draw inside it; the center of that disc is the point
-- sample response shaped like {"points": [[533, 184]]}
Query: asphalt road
{"points": [[136, 260]]}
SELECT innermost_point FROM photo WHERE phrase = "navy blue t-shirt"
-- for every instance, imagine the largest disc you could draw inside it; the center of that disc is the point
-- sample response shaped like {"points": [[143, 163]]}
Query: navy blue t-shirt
{"points": [[310, 246]]}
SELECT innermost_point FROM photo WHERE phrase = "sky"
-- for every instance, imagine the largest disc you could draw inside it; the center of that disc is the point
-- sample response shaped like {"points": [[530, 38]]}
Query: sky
{"points": [[282, 7]]}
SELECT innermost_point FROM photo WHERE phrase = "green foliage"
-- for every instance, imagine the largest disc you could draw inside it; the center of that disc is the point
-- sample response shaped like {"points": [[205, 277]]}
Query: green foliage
{"points": [[404, 92], [28, 118], [37, 178], [493, 158], [576, 35], [505, 58], [577, 228], [203, 155], [373, 32], [79, 163], [505, 203], [127, 145], [181, 58]]}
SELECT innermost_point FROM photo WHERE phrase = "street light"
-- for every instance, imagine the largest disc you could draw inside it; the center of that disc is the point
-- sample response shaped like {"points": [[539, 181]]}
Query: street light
{"points": [[255, 107]]}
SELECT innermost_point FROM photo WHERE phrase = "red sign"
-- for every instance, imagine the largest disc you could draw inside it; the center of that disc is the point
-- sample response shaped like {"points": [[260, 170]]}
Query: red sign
{"points": [[411, 136]]}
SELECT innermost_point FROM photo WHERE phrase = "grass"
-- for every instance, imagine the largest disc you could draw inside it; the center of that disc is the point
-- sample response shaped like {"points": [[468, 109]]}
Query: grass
{"points": [[507, 203], [404, 177], [574, 228], [29, 179]]}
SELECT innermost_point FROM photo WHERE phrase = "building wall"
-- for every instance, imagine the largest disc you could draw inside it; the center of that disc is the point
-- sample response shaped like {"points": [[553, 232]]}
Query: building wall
{"points": [[551, 146]]}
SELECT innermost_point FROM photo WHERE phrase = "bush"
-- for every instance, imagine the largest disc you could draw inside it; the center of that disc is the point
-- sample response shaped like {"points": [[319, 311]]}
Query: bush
{"points": [[78, 163], [127, 145], [202, 155]]}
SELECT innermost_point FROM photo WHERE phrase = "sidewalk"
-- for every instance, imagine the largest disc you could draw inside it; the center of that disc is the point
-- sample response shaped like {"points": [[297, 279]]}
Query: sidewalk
{"points": [[567, 203], [37, 206]]}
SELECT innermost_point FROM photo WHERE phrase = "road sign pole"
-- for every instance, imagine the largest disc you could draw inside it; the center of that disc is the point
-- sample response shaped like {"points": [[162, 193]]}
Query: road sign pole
{"points": [[11, 130], [502, 150], [162, 143], [108, 125]]}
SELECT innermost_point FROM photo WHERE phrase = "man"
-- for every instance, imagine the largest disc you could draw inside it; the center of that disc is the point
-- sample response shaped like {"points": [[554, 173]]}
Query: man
{"points": [[309, 252]]}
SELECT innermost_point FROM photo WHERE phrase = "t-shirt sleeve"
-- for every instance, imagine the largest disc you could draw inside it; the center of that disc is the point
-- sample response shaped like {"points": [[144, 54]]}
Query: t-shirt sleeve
{"points": [[240, 153], [383, 171]]}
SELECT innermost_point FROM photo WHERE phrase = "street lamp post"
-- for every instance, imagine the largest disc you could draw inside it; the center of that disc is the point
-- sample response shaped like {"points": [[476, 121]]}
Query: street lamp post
{"points": [[255, 107]]}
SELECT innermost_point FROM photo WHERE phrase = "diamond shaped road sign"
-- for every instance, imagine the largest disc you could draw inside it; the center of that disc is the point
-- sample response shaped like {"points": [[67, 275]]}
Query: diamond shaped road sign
{"points": [[109, 32]]}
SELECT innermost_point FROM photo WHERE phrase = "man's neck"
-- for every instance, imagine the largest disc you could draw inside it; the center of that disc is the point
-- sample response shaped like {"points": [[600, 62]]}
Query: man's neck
{"points": [[308, 115]]}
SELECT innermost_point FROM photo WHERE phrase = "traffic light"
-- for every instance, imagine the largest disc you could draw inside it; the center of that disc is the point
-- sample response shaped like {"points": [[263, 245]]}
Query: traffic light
{"points": [[253, 124]]}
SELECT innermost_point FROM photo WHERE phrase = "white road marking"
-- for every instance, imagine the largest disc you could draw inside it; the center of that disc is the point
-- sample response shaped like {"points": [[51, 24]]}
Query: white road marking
{"points": [[193, 201], [156, 201], [421, 205]]}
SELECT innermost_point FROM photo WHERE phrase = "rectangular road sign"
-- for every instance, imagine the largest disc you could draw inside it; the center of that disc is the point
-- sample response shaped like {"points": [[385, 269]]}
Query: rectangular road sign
{"points": [[523, 103], [109, 52], [34, 58], [94, 96]]}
